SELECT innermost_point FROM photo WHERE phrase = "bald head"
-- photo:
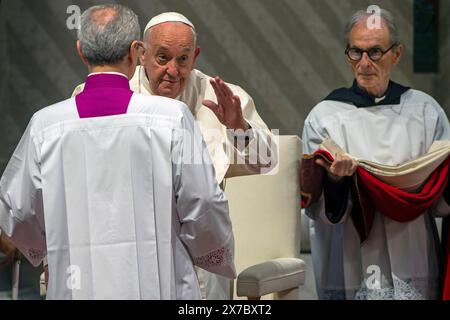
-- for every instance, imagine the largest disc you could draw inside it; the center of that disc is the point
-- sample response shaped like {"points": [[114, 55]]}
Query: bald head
{"points": [[103, 16]]}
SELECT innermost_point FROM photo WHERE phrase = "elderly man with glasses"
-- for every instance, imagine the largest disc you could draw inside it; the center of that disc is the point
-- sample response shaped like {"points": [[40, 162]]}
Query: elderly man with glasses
{"points": [[384, 122]]}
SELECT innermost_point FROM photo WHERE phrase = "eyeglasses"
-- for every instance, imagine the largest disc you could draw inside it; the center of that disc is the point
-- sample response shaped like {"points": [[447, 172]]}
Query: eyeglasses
{"points": [[375, 54]]}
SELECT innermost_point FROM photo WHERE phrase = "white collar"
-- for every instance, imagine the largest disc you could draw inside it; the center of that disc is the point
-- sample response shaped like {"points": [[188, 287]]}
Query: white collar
{"points": [[378, 100], [111, 72]]}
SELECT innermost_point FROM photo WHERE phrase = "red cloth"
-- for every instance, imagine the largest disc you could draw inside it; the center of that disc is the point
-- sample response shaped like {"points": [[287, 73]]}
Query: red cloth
{"points": [[446, 291], [394, 203], [400, 205], [373, 194], [311, 177]]}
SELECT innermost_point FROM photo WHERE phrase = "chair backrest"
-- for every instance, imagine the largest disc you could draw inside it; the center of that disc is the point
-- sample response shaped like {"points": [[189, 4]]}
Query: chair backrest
{"points": [[265, 209]]}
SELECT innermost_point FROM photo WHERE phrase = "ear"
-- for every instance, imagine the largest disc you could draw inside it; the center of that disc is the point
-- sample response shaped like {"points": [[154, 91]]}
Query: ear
{"points": [[80, 53], [135, 48], [142, 55], [196, 54], [398, 53]]}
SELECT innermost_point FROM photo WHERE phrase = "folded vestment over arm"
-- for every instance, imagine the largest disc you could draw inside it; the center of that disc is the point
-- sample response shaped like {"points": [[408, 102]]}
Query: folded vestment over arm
{"points": [[402, 192]]}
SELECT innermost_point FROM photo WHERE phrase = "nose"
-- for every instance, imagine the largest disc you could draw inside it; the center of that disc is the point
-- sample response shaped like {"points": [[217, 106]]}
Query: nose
{"points": [[172, 69], [365, 60]]}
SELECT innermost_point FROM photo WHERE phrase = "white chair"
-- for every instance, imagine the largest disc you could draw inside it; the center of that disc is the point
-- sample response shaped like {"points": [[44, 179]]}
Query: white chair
{"points": [[265, 211]]}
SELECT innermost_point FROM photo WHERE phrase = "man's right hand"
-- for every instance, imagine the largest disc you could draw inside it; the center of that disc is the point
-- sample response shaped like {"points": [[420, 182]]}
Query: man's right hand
{"points": [[342, 166]]}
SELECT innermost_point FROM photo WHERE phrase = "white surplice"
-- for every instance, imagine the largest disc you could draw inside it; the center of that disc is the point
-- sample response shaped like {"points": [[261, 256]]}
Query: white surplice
{"points": [[118, 204], [398, 260], [228, 160]]}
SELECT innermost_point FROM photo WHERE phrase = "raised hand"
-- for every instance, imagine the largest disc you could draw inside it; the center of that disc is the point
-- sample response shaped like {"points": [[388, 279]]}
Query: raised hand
{"points": [[228, 107]]}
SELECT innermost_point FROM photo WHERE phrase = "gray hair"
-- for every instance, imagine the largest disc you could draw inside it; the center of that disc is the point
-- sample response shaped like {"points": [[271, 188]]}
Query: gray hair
{"points": [[146, 33], [108, 42], [384, 14]]}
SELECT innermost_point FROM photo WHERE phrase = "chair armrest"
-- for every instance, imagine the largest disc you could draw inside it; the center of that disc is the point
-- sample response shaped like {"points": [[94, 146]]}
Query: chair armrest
{"points": [[271, 276]]}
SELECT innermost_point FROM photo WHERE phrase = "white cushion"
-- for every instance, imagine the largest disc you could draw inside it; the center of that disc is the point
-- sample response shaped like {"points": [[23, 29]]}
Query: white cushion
{"points": [[271, 276]]}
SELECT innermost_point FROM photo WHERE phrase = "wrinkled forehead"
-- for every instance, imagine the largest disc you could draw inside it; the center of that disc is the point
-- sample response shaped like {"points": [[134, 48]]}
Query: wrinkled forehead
{"points": [[365, 34], [175, 33]]}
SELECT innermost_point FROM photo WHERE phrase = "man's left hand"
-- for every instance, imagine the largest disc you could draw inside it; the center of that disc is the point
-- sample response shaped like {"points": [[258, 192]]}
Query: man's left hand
{"points": [[228, 107]]}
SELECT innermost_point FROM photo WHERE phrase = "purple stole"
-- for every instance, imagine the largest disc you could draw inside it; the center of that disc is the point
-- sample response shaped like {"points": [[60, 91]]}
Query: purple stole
{"points": [[104, 95]]}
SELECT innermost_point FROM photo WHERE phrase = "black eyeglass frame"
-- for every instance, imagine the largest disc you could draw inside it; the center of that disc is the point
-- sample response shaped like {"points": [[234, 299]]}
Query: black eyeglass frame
{"points": [[369, 54]]}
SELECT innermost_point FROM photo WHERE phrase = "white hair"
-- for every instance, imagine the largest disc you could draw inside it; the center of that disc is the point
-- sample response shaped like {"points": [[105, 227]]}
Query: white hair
{"points": [[362, 15]]}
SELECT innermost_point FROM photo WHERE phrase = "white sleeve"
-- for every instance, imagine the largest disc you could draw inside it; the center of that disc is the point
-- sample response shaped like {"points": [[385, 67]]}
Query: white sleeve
{"points": [[260, 154], [442, 132], [442, 126], [21, 206], [201, 204], [313, 135]]}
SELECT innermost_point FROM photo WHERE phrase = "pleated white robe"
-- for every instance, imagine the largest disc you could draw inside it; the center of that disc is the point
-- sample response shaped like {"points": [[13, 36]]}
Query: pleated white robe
{"points": [[118, 204], [398, 260], [259, 156]]}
